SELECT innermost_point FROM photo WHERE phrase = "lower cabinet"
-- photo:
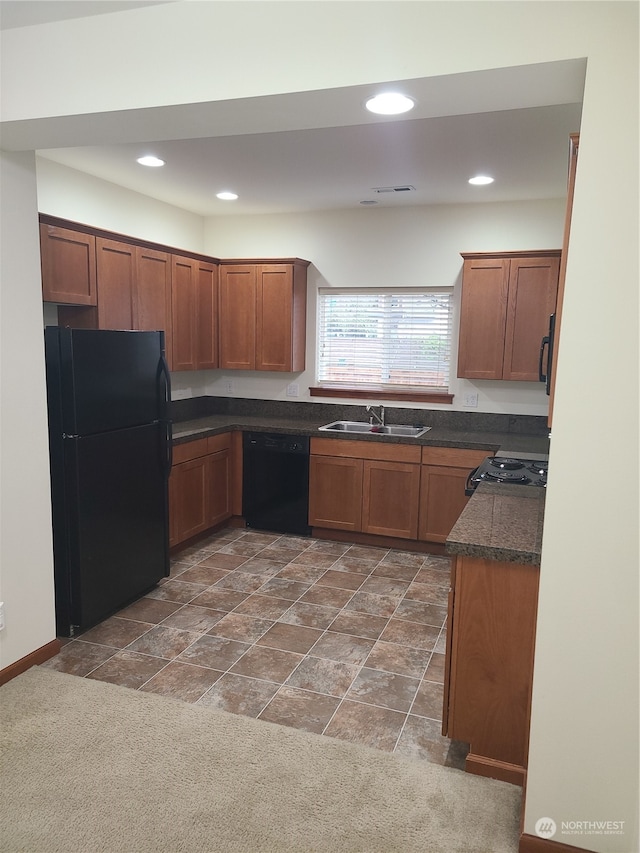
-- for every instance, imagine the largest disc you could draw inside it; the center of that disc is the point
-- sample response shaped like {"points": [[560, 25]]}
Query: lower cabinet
{"points": [[395, 490], [442, 485], [200, 486], [364, 487], [489, 664]]}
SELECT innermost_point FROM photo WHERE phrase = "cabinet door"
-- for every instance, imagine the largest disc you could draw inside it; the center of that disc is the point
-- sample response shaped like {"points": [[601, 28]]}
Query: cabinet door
{"points": [[183, 310], [238, 317], [152, 294], [390, 499], [483, 313], [442, 500], [491, 666], [274, 322], [188, 499], [206, 316], [152, 291], [335, 492], [116, 275], [218, 487], [533, 287], [68, 262]]}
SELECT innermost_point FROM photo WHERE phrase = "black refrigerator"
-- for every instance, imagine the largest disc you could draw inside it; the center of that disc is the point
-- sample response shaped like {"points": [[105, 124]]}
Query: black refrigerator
{"points": [[108, 395]]}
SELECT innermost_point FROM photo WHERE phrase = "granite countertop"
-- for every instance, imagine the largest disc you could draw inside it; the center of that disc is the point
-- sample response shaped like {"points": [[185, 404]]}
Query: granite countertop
{"points": [[511, 443], [501, 522]]}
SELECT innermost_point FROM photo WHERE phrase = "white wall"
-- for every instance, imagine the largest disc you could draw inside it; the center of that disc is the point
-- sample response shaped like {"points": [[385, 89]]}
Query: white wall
{"points": [[82, 198], [377, 248], [405, 246], [584, 739], [26, 559]]}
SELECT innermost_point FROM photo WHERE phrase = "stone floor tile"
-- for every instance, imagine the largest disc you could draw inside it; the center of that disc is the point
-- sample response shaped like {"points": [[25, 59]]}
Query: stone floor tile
{"points": [[239, 695], [300, 709], [290, 638], [366, 724], [128, 669], [393, 657], [387, 689], [182, 681]]}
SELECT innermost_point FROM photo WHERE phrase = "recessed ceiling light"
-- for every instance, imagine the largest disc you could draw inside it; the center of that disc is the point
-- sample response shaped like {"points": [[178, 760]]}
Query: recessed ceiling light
{"points": [[481, 180], [390, 104], [150, 160], [226, 196]]}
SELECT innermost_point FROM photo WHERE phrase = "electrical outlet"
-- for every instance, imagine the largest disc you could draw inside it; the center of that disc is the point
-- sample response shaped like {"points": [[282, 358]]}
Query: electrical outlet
{"points": [[293, 389], [1, 615], [228, 386], [471, 399]]}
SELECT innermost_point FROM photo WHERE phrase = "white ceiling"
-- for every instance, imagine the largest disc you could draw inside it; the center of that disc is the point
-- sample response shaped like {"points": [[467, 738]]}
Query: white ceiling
{"points": [[338, 167], [309, 151]]}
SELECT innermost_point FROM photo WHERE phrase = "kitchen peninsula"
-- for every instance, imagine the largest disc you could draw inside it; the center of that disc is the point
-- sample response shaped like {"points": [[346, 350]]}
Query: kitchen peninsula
{"points": [[492, 609]]}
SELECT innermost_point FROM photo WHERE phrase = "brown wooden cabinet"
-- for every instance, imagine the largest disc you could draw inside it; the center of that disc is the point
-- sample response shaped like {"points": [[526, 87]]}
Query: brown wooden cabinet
{"points": [[200, 486], [335, 491], [364, 487], [489, 664], [68, 264], [442, 484], [110, 281], [133, 286], [507, 298], [390, 498], [263, 312], [194, 301]]}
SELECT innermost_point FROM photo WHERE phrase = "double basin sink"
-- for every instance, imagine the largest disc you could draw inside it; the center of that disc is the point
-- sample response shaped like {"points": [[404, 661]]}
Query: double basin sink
{"points": [[376, 429]]}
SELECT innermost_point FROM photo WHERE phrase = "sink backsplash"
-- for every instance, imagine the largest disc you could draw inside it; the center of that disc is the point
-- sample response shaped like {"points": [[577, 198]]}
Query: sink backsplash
{"points": [[200, 407]]}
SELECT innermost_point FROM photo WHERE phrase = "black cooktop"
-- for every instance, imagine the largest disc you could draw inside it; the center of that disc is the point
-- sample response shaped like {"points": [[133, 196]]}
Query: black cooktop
{"points": [[504, 469]]}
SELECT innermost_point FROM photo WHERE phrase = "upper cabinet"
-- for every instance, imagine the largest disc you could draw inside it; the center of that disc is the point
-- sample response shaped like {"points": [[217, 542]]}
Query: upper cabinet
{"points": [[507, 298], [133, 286], [194, 311], [263, 309], [68, 260], [239, 315]]}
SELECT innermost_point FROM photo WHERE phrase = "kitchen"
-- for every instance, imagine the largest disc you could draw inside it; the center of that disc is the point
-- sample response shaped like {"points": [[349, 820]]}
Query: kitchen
{"points": [[553, 532]]}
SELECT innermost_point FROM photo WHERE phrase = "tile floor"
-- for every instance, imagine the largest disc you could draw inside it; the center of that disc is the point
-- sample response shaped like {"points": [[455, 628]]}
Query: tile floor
{"points": [[337, 639]]}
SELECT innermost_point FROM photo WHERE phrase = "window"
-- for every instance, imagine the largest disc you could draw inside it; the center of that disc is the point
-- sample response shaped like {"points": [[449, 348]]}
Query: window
{"points": [[393, 340]]}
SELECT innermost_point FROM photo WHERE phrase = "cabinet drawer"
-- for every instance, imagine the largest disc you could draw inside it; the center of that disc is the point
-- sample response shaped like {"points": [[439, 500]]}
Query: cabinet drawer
{"points": [[454, 457], [365, 450], [216, 443], [190, 450]]}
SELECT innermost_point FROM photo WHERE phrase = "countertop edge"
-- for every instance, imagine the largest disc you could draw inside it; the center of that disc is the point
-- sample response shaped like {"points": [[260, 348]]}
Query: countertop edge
{"points": [[185, 431]]}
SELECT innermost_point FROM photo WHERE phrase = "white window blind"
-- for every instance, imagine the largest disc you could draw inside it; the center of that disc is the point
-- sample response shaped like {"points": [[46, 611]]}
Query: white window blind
{"points": [[390, 339]]}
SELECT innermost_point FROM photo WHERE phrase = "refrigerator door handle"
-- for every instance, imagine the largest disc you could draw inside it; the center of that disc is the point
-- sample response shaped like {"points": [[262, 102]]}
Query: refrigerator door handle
{"points": [[164, 395], [545, 343], [164, 374], [169, 445]]}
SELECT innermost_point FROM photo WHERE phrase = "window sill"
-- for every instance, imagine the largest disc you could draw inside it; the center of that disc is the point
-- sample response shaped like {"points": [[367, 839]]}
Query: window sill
{"points": [[379, 394]]}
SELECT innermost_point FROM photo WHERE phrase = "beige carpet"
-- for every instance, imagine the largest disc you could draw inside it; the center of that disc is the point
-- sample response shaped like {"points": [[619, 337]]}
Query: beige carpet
{"points": [[89, 767]]}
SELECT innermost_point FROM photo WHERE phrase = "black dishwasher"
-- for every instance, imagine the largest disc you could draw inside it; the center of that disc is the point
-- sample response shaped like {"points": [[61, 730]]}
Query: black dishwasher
{"points": [[275, 482]]}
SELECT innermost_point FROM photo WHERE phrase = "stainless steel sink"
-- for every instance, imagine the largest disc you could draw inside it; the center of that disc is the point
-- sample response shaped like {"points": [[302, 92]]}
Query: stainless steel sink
{"points": [[362, 426], [401, 429], [347, 426]]}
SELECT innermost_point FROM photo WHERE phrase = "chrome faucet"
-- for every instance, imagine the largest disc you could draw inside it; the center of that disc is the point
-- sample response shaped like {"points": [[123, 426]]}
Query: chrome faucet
{"points": [[373, 414]]}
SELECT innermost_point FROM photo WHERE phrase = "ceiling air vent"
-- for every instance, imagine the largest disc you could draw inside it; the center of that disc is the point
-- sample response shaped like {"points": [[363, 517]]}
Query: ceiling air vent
{"points": [[405, 188]]}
